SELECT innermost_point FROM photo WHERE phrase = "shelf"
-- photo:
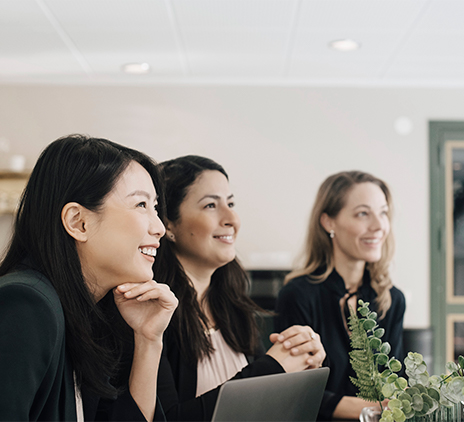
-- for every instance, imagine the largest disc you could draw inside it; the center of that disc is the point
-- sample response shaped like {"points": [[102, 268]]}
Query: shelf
{"points": [[11, 187]]}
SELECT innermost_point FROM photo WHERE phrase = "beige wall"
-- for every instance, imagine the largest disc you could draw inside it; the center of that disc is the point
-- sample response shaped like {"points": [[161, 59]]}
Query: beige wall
{"points": [[277, 143]]}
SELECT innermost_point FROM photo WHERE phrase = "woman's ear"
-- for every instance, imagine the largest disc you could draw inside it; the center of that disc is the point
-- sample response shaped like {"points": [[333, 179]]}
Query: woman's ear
{"points": [[169, 232], [326, 222], [73, 217]]}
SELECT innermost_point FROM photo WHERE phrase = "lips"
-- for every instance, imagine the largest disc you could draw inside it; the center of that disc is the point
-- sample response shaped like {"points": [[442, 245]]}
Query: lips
{"points": [[148, 250], [375, 241]]}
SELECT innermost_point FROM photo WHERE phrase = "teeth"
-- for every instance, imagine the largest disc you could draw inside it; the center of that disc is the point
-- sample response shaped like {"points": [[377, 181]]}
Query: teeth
{"points": [[374, 241], [148, 251], [225, 237]]}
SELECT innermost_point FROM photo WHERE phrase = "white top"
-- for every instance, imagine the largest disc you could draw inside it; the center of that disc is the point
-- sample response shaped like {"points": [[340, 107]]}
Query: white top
{"points": [[79, 404], [220, 367]]}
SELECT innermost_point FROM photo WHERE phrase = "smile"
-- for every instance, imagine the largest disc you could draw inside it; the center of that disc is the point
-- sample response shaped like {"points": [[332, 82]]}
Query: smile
{"points": [[225, 237], [372, 241], [148, 251]]}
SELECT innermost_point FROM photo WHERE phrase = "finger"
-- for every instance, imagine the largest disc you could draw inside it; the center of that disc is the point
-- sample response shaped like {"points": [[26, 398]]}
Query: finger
{"points": [[132, 290], [163, 295], [274, 337], [296, 330], [306, 338]]}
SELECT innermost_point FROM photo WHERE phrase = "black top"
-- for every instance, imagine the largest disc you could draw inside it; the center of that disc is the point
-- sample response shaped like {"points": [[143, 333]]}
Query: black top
{"points": [[35, 370], [318, 305], [177, 382]]}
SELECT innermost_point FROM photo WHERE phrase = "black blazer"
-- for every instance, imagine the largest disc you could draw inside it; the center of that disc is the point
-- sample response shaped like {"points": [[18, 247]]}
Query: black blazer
{"points": [[35, 370], [177, 382]]}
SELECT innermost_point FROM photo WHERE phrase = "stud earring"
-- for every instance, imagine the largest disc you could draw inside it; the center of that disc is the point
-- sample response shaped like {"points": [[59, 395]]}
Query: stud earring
{"points": [[332, 234], [172, 237]]}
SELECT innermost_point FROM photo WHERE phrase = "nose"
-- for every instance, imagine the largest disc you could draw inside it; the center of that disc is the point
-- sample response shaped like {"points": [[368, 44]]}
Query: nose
{"points": [[379, 222], [231, 218], [156, 226]]}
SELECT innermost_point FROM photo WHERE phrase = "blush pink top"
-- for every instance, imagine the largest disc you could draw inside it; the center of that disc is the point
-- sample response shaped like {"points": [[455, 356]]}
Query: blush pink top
{"points": [[220, 367]]}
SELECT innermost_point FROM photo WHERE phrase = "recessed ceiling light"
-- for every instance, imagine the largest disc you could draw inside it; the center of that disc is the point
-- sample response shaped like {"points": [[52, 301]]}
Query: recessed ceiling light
{"points": [[344, 45], [136, 68]]}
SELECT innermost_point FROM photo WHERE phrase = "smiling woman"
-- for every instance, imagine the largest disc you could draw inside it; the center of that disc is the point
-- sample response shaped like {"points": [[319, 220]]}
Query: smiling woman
{"points": [[76, 288], [348, 252], [213, 336]]}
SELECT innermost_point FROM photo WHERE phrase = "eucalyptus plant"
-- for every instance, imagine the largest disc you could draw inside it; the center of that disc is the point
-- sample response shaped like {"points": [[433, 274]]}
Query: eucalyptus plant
{"points": [[421, 395], [369, 357]]}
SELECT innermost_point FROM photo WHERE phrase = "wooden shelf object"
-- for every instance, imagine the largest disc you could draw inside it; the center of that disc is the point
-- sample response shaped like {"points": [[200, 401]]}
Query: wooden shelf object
{"points": [[11, 187]]}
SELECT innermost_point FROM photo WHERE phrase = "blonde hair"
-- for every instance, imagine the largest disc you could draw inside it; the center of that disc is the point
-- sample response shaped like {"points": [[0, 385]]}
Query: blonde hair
{"points": [[318, 252]]}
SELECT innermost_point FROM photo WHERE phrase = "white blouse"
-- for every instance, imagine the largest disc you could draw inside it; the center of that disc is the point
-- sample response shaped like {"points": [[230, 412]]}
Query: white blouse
{"points": [[221, 366], [79, 404]]}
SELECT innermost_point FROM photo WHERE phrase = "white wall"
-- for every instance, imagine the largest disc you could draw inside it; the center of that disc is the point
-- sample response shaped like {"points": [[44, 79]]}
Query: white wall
{"points": [[277, 143]]}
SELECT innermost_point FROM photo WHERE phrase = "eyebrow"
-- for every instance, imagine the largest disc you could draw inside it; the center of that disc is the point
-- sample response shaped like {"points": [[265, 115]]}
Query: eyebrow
{"points": [[216, 197], [141, 193], [367, 206]]}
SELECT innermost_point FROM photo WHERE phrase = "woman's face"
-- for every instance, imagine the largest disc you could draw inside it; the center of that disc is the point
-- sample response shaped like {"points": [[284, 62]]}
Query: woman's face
{"points": [[362, 225], [205, 233], [124, 235]]}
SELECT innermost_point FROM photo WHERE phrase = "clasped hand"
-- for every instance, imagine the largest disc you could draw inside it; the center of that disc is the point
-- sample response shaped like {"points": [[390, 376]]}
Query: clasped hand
{"points": [[297, 348]]}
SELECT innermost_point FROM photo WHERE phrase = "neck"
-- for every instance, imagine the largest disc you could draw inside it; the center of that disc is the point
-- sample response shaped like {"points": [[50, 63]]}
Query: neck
{"points": [[351, 272], [199, 276]]}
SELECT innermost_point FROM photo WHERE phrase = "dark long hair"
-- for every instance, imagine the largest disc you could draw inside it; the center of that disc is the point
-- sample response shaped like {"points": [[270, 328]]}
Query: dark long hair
{"points": [[227, 295], [78, 169]]}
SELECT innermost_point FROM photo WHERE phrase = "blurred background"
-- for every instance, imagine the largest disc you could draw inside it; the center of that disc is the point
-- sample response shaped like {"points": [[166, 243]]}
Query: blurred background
{"points": [[282, 93]]}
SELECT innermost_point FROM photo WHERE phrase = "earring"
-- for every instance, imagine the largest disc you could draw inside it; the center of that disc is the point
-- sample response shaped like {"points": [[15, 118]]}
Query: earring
{"points": [[172, 237], [332, 234]]}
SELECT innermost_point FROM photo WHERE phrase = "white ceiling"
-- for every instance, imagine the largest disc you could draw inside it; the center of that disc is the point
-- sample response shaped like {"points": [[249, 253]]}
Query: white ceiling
{"points": [[405, 42]]}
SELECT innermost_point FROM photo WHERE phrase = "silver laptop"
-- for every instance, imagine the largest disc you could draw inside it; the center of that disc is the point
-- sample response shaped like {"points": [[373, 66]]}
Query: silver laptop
{"points": [[280, 397]]}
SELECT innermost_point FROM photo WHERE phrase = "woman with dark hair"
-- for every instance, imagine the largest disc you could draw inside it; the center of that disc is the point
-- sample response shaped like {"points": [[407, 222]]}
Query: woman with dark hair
{"points": [[348, 252], [76, 288], [213, 335]]}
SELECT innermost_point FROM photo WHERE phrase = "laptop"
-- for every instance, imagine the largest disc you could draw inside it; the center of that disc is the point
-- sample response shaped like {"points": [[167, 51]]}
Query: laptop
{"points": [[279, 397]]}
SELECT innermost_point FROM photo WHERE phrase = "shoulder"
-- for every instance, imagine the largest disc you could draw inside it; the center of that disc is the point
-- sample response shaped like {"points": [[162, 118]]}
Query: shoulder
{"points": [[398, 299], [299, 287], [302, 283], [28, 292]]}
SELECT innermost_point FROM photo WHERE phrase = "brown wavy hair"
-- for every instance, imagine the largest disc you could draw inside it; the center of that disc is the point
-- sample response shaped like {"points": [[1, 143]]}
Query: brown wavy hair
{"points": [[318, 253]]}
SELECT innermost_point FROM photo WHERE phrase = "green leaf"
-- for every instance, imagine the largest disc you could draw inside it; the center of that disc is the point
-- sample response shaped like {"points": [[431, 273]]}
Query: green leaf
{"points": [[427, 400], [406, 406], [375, 342], [405, 397], [417, 402], [373, 315], [369, 324], [386, 373], [382, 359], [392, 378], [388, 390], [363, 311], [394, 365], [379, 332], [461, 361], [398, 415], [433, 393], [394, 403], [401, 383], [451, 367], [386, 348]]}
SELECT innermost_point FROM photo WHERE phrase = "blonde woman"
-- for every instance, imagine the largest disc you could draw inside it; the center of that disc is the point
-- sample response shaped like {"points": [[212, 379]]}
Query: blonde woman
{"points": [[348, 252]]}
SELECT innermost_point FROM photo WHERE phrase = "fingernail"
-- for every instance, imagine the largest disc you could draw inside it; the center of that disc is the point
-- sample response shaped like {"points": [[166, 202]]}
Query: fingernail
{"points": [[128, 294], [281, 338], [122, 287], [295, 350], [287, 344]]}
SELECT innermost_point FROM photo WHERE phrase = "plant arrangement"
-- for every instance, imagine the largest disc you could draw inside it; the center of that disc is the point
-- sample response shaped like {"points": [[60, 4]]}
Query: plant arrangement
{"points": [[377, 375]]}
